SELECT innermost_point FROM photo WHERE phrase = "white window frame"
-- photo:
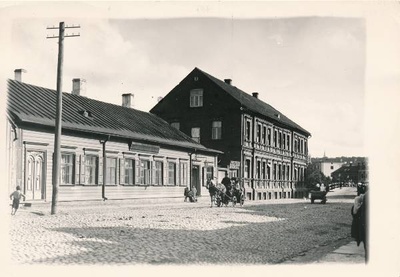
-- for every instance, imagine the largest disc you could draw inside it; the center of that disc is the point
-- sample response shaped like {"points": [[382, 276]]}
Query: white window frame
{"points": [[193, 133], [129, 167], [69, 166], [172, 174], [196, 98], [111, 175], [158, 177], [93, 169], [216, 131]]}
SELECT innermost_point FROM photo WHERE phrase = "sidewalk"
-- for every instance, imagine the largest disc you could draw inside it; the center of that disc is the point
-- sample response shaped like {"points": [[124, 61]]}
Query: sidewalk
{"points": [[349, 253]]}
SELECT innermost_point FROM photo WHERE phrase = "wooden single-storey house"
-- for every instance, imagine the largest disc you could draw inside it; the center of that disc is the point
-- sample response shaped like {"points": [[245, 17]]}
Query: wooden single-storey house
{"points": [[135, 154]]}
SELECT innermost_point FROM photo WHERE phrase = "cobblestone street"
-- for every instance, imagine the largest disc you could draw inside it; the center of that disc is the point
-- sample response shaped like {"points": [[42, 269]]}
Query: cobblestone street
{"points": [[125, 233]]}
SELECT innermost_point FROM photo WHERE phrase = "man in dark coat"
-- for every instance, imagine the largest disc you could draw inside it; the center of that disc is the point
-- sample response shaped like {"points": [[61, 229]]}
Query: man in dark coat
{"points": [[359, 226]]}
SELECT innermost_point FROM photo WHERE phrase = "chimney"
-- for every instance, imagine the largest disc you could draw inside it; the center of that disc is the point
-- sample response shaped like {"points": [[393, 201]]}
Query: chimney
{"points": [[255, 94], [127, 100], [228, 81], [79, 86], [18, 74]]}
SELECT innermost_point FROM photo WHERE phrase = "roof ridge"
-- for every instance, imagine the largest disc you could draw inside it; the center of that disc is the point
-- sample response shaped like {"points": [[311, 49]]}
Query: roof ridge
{"points": [[245, 96]]}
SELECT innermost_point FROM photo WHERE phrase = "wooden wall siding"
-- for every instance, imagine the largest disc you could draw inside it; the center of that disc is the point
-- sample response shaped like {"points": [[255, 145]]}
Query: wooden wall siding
{"points": [[81, 146], [74, 193]]}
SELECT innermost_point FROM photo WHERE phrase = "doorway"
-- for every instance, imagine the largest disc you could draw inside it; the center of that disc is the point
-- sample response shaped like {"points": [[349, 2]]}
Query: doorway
{"points": [[34, 172], [196, 178]]}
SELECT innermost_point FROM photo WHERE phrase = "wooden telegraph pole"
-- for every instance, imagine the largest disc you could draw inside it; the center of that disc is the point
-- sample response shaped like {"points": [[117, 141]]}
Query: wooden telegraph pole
{"points": [[57, 134]]}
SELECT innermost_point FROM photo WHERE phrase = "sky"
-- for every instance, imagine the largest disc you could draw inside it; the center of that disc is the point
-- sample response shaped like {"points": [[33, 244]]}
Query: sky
{"points": [[309, 67]]}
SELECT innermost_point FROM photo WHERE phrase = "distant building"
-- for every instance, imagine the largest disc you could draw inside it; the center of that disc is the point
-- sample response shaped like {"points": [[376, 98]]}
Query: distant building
{"points": [[264, 148], [352, 172], [134, 154]]}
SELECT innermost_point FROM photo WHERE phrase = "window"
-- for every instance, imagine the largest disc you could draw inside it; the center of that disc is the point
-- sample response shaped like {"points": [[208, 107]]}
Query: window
{"points": [[216, 130], [279, 172], [258, 138], [247, 169], [196, 134], [275, 138], [275, 172], [263, 171], [280, 139], [159, 173], [283, 172], [284, 141], [258, 170], [331, 166], [268, 172], [90, 169], [128, 167], [209, 173], [184, 174], [176, 125], [111, 169], [196, 98], [248, 130], [264, 135], [171, 173], [67, 164], [269, 137], [144, 170], [288, 142]]}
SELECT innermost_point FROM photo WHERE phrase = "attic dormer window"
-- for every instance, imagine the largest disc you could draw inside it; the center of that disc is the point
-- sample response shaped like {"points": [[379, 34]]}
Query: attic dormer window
{"points": [[196, 78], [196, 98], [86, 113], [278, 115]]}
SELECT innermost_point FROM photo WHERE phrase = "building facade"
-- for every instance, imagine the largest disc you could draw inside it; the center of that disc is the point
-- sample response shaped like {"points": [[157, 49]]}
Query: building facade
{"points": [[260, 145], [107, 151]]}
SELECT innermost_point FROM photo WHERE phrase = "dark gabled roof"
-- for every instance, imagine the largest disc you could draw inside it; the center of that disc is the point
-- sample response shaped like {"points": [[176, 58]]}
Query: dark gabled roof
{"points": [[255, 105], [37, 105]]}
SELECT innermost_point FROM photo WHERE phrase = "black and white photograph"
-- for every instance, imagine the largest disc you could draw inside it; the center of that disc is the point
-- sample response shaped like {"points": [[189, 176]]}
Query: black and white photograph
{"points": [[186, 137]]}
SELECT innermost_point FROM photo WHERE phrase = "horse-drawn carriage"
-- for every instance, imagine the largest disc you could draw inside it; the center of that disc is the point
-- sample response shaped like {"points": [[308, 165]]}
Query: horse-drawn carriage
{"points": [[234, 196], [223, 195]]}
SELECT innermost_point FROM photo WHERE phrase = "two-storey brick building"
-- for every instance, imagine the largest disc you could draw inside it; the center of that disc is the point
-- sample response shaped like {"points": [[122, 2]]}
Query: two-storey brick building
{"points": [[261, 146]]}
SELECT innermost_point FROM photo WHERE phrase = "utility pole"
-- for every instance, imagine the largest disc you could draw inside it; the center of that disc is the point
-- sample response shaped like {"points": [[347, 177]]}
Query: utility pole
{"points": [[57, 134]]}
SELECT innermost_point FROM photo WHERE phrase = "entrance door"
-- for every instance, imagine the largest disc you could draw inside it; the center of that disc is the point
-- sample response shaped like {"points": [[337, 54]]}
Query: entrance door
{"points": [[196, 178], [34, 186]]}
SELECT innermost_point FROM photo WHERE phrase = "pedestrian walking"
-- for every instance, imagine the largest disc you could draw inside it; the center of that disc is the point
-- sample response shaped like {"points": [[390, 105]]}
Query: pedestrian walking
{"points": [[212, 189], [16, 197]]}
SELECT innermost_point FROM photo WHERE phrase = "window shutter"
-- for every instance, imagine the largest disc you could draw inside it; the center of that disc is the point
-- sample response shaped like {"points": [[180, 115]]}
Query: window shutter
{"points": [[166, 175], [122, 171], [137, 171], [181, 174], [153, 172], [100, 171], [82, 180], [77, 167], [177, 174]]}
